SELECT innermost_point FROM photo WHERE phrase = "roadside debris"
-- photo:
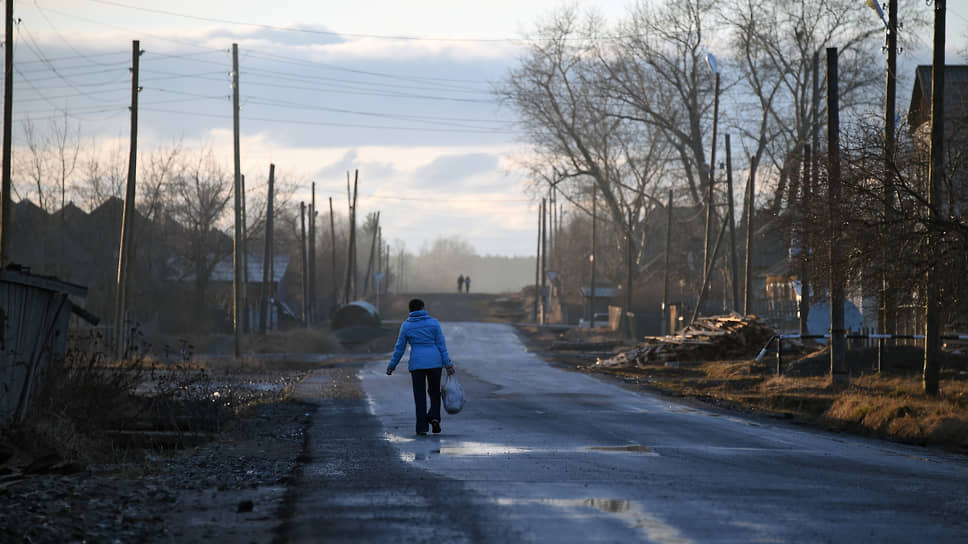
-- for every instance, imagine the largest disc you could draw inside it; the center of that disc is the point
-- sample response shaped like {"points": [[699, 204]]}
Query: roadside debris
{"points": [[714, 337]]}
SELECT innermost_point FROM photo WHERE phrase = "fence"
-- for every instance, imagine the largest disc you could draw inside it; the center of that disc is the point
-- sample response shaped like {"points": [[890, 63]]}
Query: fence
{"points": [[880, 338]]}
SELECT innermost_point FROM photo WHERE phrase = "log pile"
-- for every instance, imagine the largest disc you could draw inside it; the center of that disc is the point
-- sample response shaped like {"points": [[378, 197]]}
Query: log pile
{"points": [[708, 338]]}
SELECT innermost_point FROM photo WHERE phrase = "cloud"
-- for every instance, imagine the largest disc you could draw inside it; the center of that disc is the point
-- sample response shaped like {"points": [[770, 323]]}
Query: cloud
{"points": [[351, 161], [447, 170]]}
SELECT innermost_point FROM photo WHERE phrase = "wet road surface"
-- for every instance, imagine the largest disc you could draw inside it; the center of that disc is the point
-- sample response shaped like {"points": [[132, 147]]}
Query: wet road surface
{"points": [[541, 454]]}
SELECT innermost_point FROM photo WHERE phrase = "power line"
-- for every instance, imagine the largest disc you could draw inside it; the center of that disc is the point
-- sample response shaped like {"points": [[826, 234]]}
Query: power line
{"points": [[305, 78], [420, 118], [303, 62], [32, 44], [358, 91], [332, 124]]}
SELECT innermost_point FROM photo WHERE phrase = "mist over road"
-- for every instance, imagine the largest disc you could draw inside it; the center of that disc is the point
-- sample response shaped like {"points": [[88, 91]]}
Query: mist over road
{"points": [[546, 455]]}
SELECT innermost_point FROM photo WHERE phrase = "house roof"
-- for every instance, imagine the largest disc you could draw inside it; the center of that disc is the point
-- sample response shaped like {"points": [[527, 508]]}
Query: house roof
{"points": [[955, 85], [224, 270]]}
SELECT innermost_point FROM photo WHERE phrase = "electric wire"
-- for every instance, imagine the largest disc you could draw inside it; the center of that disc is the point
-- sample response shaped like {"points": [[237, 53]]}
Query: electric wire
{"points": [[330, 124]]}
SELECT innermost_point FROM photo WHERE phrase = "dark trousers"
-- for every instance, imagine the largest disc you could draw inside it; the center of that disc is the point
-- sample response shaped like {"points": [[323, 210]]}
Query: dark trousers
{"points": [[426, 382]]}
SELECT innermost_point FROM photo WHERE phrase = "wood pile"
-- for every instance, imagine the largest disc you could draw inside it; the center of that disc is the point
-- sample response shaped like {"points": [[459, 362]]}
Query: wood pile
{"points": [[708, 338]]}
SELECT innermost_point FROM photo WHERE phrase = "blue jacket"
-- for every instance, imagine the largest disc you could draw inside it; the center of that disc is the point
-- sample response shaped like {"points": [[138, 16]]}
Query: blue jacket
{"points": [[427, 346]]}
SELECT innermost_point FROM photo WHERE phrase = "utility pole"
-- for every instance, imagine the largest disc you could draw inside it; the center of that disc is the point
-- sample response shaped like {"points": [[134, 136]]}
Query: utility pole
{"points": [[732, 226], [237, 276], [246, 318], [332, 245], [544, 259], [750, 209], [312, 256], [708, 272], [591, 321], [264, 324], [369, 263], [305, 262], [888, 302], [712, 177], [838, 338], [932, 313], [805, 240], [127, 217], [629, 333], [350, 287], [665, 282], [537, 273], [5, 184]]}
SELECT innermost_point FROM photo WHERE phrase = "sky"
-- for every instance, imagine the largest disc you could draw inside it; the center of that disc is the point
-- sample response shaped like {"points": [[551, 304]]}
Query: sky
{"points": [[401, 91]]}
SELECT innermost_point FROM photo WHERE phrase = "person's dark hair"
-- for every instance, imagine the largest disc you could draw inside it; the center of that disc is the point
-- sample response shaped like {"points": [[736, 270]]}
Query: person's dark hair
{"points": [[416, 305]]}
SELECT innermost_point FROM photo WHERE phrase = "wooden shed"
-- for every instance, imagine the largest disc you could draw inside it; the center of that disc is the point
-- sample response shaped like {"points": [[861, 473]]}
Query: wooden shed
{"points": [[35, 314]]}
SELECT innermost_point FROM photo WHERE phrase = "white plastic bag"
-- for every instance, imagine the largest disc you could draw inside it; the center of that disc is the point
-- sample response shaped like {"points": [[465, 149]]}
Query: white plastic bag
{"points": [[452, 394]]}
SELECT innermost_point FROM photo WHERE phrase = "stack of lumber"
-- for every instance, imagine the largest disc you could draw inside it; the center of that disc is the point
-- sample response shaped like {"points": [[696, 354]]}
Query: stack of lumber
{"points": [[708, 338]]}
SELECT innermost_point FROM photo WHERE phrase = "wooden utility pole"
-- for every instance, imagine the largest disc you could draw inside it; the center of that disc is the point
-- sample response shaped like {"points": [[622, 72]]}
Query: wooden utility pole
{"points": [[334, 281], [932, 312], [665, 329], [266, 294], [628, 332], [710, 182], [5, 183], [888, 302], [734, 278], [591, 321], [246, 318], [806, 188], [237, 245], [312, 256], [305, 262], [349, 292], [537, 274], [838, 337], [544, 260], [369, 263], [708, 272], [127, 217], [750, 210]]}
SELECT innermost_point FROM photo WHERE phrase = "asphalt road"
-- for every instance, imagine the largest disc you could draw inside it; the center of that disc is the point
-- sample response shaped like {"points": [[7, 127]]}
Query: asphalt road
{"points": [[541, 454]]}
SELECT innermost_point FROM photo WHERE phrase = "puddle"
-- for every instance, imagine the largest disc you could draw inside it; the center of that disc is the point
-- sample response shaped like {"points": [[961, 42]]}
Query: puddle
{"points": [[482, 448], [629, 512], [631, 448]]}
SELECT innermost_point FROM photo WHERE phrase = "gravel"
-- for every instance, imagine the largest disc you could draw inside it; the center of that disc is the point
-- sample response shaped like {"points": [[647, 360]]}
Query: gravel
{"points": [[229, 489]]}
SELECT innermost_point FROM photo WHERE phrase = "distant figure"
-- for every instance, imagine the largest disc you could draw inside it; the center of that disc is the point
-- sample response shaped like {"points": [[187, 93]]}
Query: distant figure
{"points": [[467, 284], [460, 283], [428, 353]]}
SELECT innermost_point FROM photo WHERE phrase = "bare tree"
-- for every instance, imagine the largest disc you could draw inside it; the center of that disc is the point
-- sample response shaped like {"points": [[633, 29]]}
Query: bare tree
{"points": [[50, 161], [201, 191], [774, 47], [580, 133], [659, 75], [102, 179]]}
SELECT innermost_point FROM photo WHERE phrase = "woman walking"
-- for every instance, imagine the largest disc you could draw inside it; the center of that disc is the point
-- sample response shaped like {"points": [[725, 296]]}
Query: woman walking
{"points": [[428, 354]]}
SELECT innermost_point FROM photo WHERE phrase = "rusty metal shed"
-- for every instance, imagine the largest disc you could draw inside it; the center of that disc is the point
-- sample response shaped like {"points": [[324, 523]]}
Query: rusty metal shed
{"points": [[35, 315]]}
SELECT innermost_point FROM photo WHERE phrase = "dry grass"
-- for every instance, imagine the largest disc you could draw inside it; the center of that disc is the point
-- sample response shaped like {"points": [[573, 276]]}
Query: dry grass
{"points": [[896, 408], [881, 405]]}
